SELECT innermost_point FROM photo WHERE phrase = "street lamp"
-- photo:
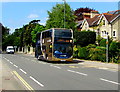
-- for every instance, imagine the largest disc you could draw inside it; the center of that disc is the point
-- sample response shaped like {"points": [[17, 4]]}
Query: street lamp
{"points": [[64, 12], [107, 47]]}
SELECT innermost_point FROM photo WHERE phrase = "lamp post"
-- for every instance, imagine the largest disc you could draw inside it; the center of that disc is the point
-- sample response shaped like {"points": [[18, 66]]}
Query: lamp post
{"points": [[64, 12], [107, 47]]}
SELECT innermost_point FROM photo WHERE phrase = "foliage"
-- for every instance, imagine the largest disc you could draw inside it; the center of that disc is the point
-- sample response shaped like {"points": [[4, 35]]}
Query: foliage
{"points": [[78, 12], [38, 28], [56, 17], [91, 46], [97, 53], [24, 36], [82, 53], [103, 42], [5, 34], [75, 52], [83, 38], [114, 51]]}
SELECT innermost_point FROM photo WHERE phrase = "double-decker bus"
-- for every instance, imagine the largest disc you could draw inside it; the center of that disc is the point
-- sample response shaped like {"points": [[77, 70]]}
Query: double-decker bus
{"points": [[55, 44]]}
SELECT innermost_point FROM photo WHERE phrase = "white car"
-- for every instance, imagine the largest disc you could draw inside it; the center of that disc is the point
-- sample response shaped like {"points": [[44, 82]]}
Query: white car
{"points": [[10, 49]]}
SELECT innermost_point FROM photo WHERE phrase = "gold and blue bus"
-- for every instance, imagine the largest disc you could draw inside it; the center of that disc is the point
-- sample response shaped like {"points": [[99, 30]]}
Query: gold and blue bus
{"points": [[55, 44]]}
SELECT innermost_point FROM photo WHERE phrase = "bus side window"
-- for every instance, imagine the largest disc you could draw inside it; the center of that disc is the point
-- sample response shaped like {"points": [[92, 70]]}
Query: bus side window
{"points": [[44, 48]]}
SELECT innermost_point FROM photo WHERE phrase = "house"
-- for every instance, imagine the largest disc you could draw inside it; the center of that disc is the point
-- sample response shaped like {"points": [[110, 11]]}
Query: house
{"points": [[84, 13], [104, 24]]}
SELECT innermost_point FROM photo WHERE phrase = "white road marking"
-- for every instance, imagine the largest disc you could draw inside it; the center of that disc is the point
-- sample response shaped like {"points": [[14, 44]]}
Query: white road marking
{"points": [[77, 72], [80, 63], [111, 70], [11, 62], [22, 71], [103, 68], [8, 60], [36, 81], [5, 58], [16, 66], [109, 81], [56, 66]]}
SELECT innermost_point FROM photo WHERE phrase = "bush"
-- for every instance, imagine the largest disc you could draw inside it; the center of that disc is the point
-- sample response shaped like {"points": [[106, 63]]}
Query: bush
{"points": [[114, 51], [82, 53], [91, 46], [84, 38], [97, 53], [103, 42], [75, 52]]}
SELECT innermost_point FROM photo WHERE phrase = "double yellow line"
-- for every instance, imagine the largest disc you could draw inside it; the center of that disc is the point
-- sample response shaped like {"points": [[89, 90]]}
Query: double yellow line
{"points": [[24, 82]]}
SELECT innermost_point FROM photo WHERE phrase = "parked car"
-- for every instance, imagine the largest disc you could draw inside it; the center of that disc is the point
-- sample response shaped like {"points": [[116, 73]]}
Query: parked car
{"points": [[10, 49]]}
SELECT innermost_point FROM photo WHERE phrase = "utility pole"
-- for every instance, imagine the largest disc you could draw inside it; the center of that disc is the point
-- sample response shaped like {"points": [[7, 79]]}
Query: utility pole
{"points": [[64, 12], [107, 48]]}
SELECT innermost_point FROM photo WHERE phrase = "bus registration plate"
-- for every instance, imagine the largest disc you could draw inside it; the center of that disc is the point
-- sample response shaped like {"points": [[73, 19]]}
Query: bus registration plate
{"points": [[62, 60]]}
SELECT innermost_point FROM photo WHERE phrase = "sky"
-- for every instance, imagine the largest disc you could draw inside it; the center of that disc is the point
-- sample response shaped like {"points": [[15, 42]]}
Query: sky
{"points": [[16, 14]]}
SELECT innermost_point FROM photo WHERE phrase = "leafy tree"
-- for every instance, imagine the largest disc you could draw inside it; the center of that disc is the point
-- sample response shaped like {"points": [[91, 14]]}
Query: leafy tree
{"points": [[5, 34], [56, 17], [27, 29], [38, 28], [79, 13]]}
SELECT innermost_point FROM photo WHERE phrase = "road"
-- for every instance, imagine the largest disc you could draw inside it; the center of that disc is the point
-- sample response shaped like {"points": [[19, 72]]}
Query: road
{"points": [[41, 75]]}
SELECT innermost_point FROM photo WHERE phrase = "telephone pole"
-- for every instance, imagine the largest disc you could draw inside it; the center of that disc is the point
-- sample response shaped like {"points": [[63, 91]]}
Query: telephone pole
{"points": [[64, 12]]}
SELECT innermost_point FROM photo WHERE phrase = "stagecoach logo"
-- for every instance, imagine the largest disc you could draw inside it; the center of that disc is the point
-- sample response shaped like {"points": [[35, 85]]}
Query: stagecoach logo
{"points": [[63, 55]]}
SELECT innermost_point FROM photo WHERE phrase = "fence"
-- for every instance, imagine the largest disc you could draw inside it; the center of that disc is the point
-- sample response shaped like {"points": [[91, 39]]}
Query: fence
{"points": [[26, 50]]}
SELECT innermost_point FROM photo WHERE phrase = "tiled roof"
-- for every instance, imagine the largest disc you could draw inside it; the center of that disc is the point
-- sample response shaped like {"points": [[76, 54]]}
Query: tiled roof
{"points": [[93, 21], [114, 12], [96, 19], [79, 23], [111, 17], [114, 17]]}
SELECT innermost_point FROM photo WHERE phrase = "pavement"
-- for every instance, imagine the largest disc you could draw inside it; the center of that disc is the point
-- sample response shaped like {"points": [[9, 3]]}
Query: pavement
{"points": [[8, 81], [98, 64]]}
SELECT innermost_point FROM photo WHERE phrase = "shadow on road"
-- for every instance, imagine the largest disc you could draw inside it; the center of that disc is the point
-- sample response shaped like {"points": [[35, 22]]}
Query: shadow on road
{"points": [[62, 62]]}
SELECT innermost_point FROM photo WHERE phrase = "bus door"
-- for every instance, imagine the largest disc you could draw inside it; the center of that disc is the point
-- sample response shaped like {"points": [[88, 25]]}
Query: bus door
{"points": [[49, 49]]}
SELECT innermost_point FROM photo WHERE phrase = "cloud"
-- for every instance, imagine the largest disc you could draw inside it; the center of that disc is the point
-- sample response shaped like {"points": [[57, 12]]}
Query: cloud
{"points": [[42, 24], [33, 16]]}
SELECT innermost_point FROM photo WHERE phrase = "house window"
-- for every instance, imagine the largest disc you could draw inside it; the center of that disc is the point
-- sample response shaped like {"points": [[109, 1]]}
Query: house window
{"points": [[86, 26], [105, 33], [103, 22], [102, 33], [114, 33]]}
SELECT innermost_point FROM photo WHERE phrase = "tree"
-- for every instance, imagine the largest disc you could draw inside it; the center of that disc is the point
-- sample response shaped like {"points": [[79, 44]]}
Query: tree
{"points": [[27, 29], [79, 13], [5, 34], [56, 17], [38, 28]]}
